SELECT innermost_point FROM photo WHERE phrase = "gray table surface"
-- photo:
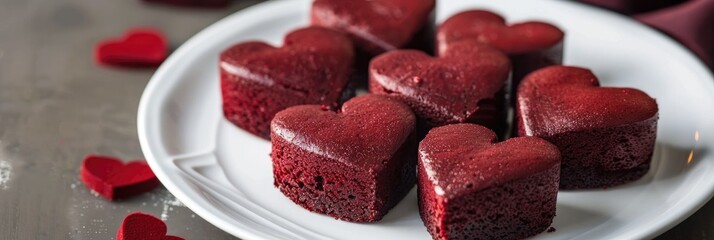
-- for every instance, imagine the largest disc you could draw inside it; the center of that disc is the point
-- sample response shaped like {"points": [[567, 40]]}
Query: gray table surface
{"points": [[57, 105]]}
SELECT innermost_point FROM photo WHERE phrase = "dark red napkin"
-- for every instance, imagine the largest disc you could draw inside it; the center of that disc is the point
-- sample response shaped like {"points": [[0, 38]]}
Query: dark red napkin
{"points": [[691, 22]]}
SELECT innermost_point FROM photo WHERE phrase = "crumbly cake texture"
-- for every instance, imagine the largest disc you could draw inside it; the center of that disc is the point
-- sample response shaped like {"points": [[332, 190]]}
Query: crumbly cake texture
{"points": [[258, 80], [465, 84], [353, 165], [531, 45], [376, 26], [606, 135], [471, 187]]}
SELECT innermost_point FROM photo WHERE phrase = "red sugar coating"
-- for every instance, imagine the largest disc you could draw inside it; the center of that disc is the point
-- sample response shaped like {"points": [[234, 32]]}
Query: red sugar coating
{"points": [[354, 165], [483, 189], [530, 45], [140, 47], [375, 26], [464, 84], [258, 80], [141, 226], [113, 179], [606, 135]]}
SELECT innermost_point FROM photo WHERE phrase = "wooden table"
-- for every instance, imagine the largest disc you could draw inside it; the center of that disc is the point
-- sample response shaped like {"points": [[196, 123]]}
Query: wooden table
{"points": [[57, 105]]}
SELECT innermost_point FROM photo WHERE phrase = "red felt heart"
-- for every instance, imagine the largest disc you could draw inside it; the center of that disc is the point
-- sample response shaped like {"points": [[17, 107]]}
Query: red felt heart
{"points": [[113, 179], [258, 80], [376, 26], [606, 134], [491, 28], [471, 187], [141, 226], [193, 3], [459, 86], [141, 47]]}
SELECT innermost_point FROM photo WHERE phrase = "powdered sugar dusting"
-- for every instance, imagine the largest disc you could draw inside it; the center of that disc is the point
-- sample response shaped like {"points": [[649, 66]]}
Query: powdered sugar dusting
{"points": [[168, 205], [91, 215], [5, 173], [5, 169]]}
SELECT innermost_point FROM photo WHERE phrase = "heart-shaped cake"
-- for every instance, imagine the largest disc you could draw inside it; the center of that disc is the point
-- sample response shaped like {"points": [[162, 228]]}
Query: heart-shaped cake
{"points": [[354, 164], [258, 80], [141, 226], [464, 84], [471, 187], [606, 135], [142, 47], [113, 179], [377, 26], [531, 45]]}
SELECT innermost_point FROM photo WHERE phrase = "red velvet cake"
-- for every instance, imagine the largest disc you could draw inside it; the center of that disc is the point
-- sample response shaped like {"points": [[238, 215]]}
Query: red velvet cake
{"points": [[531, 45], [377, 26], [354, 164], [471, 187], [606, 135], [258, 80], [465, 84]]}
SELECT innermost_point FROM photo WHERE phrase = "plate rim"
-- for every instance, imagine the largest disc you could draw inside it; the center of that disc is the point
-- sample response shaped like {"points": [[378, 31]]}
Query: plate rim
{"points": [[692, 204]]}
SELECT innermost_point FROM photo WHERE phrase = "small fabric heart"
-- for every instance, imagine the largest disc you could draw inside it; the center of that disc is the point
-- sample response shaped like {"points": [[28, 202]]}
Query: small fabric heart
{"points": [[113, 179], [192, 3], [140, 47], [141, 226]]}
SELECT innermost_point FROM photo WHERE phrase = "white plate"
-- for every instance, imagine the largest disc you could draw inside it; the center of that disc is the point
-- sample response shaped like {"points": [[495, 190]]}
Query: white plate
{"points": [[189, 145]]}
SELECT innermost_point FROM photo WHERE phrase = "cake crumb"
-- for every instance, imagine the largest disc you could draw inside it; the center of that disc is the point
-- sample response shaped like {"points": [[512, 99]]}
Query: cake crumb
{"points": [[417, 80], [551, 229]]}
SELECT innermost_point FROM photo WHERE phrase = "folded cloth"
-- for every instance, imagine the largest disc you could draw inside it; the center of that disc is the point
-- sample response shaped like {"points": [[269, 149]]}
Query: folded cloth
{"points": [[691, 22]]}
